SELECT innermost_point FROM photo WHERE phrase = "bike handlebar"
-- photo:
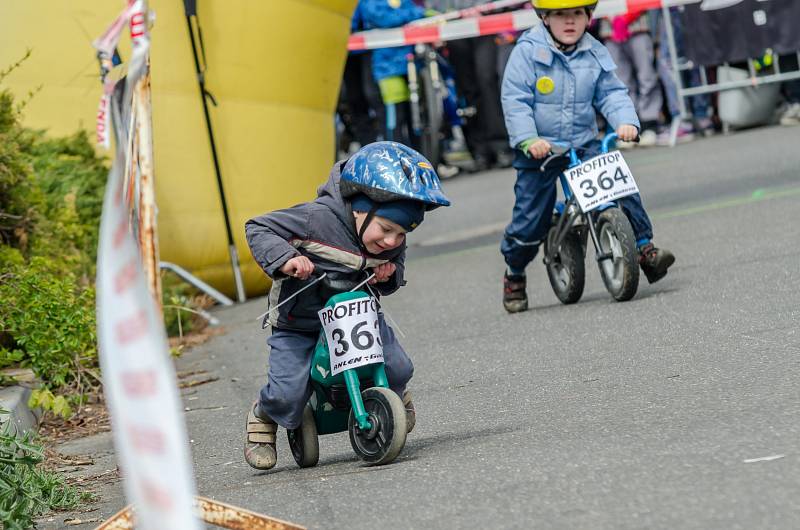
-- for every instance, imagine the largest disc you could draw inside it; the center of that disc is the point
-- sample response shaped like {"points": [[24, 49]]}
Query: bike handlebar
{"points": [[560, 151]]}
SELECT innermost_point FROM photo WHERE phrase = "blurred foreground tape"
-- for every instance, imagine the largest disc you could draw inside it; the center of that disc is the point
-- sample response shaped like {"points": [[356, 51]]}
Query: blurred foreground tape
{"points": [[216, 513]]}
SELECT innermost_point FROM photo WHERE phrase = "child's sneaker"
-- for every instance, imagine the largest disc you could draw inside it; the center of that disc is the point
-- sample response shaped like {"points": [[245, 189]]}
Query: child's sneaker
{"points": [[515, 299], [685, 134], [259, 442], [705, 126], [648, 138], [790, 115], [411, 412], [655, 262]]}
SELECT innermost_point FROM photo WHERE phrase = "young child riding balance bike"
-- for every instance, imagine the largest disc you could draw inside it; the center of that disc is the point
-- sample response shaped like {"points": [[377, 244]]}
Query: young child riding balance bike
{"points": [[357, 223], [555, 79]]}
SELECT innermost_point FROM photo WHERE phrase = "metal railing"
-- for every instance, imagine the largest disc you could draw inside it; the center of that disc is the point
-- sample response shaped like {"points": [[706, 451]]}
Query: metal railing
{"points": [[754, 79]]}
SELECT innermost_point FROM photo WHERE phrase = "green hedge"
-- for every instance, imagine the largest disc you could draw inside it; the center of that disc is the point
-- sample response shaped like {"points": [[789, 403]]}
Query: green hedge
{"points": [[51, 194]]}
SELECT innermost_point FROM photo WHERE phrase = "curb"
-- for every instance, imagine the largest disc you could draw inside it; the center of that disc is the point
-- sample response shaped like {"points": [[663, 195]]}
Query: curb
{"points": [[14, 399]]}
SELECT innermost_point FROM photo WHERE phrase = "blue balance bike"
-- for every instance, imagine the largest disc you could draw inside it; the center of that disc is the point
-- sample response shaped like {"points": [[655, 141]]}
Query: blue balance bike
{"points": [[611, 234], [374, 417]]}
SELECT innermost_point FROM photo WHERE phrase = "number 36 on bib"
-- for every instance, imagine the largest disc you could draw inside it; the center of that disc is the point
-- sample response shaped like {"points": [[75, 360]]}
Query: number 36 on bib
{"points": [[601, 179]]}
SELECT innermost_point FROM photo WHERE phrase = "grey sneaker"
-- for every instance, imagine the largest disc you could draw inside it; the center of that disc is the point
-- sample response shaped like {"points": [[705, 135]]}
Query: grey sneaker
{"points": [[259, 442]]}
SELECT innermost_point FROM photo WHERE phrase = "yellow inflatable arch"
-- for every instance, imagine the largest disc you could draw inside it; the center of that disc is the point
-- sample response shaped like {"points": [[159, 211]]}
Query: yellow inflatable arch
{"points": [[274, 67]]}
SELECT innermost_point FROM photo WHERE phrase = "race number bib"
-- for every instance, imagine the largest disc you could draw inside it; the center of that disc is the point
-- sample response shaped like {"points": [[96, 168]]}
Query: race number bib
{"points": [[601, 179], [352, 332]]}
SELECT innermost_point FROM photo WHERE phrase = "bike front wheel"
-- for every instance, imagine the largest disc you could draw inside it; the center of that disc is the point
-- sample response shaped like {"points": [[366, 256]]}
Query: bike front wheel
{"points": [[383, 442], [620, 271]]}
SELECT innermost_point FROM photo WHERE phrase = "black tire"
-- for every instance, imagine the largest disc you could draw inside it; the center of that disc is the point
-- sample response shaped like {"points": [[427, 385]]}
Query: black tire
{"points": [[432, 114], [615, 235], [382, 443], [304, 442], [566, 270]]}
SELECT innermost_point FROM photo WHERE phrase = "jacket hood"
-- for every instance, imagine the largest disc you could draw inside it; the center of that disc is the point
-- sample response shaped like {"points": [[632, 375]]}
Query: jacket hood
{"points": [[329, 194]]}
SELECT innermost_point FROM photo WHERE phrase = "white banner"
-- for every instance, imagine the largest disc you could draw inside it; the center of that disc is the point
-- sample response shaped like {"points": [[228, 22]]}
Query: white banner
{"points": [[138, 377], [353, 334], [600, 180]]}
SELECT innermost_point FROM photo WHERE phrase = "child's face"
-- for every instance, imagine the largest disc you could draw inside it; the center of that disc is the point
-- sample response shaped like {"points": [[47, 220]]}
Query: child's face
{"points": [[381, 234], [567, 25]]}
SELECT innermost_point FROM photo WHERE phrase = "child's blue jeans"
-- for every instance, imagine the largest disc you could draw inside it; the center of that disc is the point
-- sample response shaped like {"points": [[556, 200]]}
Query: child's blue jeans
{"points": [[288, 385], [535, 193]]}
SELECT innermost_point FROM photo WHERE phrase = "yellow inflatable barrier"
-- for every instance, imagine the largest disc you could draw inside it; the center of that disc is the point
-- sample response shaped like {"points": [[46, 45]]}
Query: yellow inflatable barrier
{"points": [[274, 67]]}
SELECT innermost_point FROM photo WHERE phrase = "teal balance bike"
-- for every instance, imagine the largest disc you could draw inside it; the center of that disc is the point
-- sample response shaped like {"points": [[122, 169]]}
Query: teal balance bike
{"points": [[375, 416]]}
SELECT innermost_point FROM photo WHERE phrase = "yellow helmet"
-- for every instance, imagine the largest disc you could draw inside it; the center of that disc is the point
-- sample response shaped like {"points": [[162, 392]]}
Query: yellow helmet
{"points": [[542, 6]]}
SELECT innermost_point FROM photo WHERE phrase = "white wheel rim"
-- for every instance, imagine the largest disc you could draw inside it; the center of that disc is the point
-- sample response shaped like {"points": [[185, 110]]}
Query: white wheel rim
{"points": [[613, 269]]}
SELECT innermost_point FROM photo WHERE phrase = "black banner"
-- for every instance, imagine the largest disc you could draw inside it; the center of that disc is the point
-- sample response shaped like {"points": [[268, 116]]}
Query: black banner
{"points": [[719, 31]]}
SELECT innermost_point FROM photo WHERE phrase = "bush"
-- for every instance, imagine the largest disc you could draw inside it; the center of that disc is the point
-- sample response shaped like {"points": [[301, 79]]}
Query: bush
{"points": [[27, 490], [51, 193], [50, 323]]}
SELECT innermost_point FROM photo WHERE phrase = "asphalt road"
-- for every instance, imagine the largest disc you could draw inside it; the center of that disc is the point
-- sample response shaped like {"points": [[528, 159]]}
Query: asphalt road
{"points": [[678, 409]]}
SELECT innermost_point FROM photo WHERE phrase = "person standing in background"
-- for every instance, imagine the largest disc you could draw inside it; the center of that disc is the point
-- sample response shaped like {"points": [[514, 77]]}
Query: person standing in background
{"points": [[389, 65], [700, 105], [790, 115], [628, 39], [475, 62], [365, 117]]}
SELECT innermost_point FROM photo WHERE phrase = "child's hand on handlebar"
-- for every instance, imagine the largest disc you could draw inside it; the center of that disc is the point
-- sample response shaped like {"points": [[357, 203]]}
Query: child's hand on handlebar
{"points": [[539, 149], [383, 272], [298, 267], [627, 133]]}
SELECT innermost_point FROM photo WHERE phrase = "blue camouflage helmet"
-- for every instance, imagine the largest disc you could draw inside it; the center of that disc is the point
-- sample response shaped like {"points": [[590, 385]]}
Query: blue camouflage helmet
{"points": [[389, 171]]}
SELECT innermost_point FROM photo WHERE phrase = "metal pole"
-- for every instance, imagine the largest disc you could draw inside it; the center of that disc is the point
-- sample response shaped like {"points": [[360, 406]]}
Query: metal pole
{"points": [[197, 282], [237, 273]]}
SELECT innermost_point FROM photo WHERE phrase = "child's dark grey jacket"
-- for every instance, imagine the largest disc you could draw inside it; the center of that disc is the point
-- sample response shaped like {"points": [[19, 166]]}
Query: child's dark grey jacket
{"points": [[323, 230]]}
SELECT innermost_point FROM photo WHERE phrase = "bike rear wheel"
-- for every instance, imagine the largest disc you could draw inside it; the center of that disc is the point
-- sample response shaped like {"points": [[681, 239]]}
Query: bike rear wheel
{"points": [[303, 441], [620, 272], [566, 269]]}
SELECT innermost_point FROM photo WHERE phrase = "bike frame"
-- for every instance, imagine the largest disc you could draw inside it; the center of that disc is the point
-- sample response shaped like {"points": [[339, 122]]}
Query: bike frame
{"points": [[570, 212], [425, 57], [351, 378]]}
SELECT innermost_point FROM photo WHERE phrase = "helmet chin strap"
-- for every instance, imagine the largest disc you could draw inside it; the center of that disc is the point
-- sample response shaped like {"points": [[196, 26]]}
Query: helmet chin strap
{"points": [[365, 224]]}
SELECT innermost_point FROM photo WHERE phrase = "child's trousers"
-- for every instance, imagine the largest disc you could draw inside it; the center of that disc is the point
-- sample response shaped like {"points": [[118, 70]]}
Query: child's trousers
{"points": [[288, 385], [535, 193]]}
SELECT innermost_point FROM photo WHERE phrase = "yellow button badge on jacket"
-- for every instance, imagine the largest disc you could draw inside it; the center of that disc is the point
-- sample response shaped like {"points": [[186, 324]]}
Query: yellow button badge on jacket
{"points": [[545, 85]]}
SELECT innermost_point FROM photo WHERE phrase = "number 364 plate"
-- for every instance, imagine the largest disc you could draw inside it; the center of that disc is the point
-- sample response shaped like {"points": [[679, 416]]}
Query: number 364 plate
{"points": [[600, 179]]}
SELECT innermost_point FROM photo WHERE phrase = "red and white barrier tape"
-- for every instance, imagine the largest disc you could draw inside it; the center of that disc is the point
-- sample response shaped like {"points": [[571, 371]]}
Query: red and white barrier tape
{"points": [[105, 45], [138, 376], [465, 28], [469, 12]]}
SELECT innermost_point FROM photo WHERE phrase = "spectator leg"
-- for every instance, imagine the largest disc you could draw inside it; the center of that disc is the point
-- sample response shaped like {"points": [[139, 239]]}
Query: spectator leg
{"points": [[649, 98], [490, 113]]}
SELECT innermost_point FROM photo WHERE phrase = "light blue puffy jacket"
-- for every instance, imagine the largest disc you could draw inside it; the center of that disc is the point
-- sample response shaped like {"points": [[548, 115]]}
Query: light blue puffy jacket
{"points": [[583, 81]]}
